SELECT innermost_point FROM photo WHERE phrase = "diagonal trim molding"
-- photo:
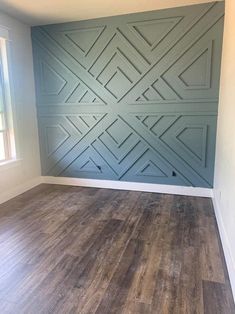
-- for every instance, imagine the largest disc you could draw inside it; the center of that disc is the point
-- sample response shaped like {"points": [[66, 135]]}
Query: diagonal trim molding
{"points": [[132, 98]]}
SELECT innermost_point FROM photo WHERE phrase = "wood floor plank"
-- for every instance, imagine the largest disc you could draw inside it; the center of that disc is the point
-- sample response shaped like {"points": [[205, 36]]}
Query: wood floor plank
{"points": [[93, 288], [67, 249], [211, 260], [170, 267], [117, 291], [216, 299], [137, 308], [189, 298], [150, 229], [72, 271]]}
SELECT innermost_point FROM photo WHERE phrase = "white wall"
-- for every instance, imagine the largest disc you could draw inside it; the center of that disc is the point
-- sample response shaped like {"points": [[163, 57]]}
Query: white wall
{"points": [[24, 172], [224, 184], [43, 11]]}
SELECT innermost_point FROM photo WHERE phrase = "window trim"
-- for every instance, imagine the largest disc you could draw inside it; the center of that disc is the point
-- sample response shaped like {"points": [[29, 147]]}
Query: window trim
{"points": [[4, 130], [8, 164], [9, 134]]}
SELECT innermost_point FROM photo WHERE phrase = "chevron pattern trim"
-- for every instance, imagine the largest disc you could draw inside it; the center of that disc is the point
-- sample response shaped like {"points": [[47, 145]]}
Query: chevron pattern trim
{"points": [[131, 97]]}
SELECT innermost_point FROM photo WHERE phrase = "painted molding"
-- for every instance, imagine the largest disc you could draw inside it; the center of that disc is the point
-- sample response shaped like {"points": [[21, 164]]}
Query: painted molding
{"points": [[131, 98], [131, 186], [19, 189], [230, 262]]}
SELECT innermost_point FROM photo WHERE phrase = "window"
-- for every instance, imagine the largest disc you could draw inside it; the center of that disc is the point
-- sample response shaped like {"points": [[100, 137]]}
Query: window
{"points": [[7, 145]]}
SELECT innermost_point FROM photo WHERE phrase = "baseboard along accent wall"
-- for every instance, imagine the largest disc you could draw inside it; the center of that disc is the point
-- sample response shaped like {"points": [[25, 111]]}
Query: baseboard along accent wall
{"points": [[129, 186], [105, 184], [131, 98]]}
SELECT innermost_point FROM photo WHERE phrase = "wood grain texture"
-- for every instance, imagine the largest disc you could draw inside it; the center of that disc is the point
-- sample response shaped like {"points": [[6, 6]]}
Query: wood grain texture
{"points": [[79, 250]]}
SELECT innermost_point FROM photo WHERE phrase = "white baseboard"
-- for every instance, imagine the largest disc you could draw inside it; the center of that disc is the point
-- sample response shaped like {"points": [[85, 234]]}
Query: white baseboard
{"points": [[106, 184], [226, 244], [19, 189], [132, 186]]}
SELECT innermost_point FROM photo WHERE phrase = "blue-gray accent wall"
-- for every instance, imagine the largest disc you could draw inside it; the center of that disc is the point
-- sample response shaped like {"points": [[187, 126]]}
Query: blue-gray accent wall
{"points": [[131, 97]]}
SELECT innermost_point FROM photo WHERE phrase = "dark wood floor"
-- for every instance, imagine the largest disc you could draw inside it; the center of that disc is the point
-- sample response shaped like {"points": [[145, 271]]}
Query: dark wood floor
{"points": [[85, 250]]}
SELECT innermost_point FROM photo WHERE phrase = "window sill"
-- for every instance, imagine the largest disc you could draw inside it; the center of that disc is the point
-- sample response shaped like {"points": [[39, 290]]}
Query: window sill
{"points": [[8, 164]]}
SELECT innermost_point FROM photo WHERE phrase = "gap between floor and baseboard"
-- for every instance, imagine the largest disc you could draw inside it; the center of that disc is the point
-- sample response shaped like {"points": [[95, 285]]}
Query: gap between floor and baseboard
{"points": [[230, 262]]}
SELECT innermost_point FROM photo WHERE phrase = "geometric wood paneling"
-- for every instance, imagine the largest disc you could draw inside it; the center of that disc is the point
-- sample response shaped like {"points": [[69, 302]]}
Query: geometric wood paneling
{"points": [[131, 97]]}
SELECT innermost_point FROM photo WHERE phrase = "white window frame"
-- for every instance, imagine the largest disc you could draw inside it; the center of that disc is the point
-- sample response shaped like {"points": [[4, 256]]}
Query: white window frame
{"points": [[8, 132]]}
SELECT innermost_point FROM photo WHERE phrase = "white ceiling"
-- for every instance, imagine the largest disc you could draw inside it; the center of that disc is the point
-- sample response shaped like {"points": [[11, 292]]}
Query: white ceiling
{"points": [[36, 12]]}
